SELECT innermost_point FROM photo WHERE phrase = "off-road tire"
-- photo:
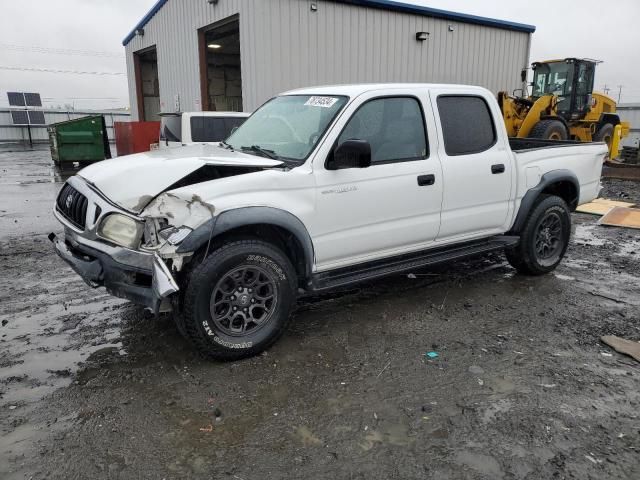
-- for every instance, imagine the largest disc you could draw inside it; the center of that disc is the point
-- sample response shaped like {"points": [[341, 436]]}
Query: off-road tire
{"points": [[549, 130], [526, 257], [217, 341], [604, 134], [178, 320]]}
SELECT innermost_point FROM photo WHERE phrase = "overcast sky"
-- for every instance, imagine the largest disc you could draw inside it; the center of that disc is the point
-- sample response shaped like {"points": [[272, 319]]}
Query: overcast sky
{"points": [[86, 36]]}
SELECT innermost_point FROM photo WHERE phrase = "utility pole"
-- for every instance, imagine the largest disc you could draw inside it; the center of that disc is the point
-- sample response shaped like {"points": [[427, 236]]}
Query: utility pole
{"points": [[619, 92], [606, 89]]}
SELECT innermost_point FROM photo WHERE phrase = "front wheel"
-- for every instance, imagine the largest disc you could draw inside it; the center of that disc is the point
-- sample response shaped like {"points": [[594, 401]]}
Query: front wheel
{"points": [[544, 238], [238, 300]]}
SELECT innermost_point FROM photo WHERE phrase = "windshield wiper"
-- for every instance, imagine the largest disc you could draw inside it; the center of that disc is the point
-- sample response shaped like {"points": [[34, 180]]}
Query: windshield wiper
{"points": [[262, 151], [225, 145]]}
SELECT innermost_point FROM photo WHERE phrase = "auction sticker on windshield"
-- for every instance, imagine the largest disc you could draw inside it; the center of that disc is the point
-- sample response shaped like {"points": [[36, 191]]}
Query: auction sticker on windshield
{"points": [[324, 102]]}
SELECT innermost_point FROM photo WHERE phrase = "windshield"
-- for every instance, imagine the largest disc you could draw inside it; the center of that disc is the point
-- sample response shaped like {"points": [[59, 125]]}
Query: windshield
{"points": [[287, 127], [552, 78]]}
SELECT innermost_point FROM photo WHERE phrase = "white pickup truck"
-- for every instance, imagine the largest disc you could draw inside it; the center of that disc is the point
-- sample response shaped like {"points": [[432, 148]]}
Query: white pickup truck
{"points": [[320, 188]]}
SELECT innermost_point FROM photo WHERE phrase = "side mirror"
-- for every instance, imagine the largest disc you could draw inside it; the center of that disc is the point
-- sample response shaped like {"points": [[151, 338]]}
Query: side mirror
{"points": [[351, 154], [523, 75]]}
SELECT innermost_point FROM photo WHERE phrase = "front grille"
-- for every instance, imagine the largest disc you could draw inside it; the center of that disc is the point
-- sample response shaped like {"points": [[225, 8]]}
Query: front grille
{"points": [[73, 205]]}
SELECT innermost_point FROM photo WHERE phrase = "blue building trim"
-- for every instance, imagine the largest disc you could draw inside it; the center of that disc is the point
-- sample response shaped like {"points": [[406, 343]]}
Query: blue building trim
{"points": [[385, 5], [155, 9], [443, 14]]}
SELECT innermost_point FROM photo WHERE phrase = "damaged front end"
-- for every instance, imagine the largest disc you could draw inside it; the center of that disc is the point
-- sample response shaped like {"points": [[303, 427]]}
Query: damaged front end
{"points": [[133, 256]]}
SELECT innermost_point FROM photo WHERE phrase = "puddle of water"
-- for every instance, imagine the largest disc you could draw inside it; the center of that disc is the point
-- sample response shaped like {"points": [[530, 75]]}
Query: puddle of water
{"points": [[306, 437], [495, 409], [394, 434], [567, 278], [584, 234], [484, 464], [588, 234], [22, 436], [631, 248], [40, 351]]}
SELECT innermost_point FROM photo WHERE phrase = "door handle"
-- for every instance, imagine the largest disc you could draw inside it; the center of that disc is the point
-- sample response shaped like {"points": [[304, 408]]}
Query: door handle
{"points": [[498, 168], [426, 180]]}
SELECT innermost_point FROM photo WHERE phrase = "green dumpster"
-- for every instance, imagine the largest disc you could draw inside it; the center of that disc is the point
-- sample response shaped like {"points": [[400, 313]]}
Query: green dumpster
{"points": [[82, 140]]}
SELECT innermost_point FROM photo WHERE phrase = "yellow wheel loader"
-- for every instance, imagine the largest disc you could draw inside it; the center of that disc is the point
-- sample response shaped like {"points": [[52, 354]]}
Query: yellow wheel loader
{"points": [[563, 106]]}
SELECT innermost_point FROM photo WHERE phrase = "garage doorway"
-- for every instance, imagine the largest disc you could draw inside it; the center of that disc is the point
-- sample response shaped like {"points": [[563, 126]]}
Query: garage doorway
{"points": [[220, 72], [147, 85]]}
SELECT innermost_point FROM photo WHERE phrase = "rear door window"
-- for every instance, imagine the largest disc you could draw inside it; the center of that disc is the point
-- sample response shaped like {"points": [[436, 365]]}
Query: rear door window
{"points": [[213, 129], [467, 124]]}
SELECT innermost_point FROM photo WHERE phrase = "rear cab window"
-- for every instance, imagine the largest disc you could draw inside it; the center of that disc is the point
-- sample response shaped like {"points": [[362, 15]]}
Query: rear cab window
{"points": [[467, 124]]}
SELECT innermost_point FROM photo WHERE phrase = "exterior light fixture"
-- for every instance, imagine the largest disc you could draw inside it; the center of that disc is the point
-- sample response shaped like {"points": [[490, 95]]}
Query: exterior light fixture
{"points": [[451, 28], [140, 32], [213, 2], [422, 36], [314, 7], [215, 46]]}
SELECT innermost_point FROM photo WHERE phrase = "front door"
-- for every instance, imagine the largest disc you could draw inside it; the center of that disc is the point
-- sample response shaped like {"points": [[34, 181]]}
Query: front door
{"points": [[391, 207]]}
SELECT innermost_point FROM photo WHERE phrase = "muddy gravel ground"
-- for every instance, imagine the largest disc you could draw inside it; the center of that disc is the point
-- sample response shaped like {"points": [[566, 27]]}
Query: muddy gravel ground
{"points": [[93, 387]]}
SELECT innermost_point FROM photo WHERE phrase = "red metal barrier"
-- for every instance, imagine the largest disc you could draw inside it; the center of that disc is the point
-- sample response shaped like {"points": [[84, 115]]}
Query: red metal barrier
{"points": [[135, 137]]}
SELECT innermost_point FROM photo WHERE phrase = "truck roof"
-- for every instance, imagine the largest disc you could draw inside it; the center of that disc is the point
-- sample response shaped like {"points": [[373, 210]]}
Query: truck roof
{"points": [[353, 90]]}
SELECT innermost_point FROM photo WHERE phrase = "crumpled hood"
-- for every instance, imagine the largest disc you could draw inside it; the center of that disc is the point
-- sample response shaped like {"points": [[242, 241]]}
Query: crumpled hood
{"points": [[133, 181]]}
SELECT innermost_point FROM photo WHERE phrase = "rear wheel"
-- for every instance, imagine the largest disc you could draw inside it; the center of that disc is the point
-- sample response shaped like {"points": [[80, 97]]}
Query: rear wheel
{"points": [[238, 300], [544, 238], [549, 130]]}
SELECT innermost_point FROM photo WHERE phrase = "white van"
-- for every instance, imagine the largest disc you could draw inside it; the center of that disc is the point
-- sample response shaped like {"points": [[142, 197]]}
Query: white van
{"points": [[189, 128]]}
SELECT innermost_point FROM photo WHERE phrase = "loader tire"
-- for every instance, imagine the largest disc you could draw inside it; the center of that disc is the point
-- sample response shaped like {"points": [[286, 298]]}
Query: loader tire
{"points": [[549, 130], [544, 237], [604, 134]]}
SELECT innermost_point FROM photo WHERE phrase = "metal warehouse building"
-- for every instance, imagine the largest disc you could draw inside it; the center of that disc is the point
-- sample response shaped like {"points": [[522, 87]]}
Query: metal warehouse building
{"points": [[197, 55]]}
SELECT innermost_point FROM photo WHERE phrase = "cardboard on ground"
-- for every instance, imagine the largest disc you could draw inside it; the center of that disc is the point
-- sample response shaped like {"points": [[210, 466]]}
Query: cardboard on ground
{"points": [[622, 217], [601, 206]]}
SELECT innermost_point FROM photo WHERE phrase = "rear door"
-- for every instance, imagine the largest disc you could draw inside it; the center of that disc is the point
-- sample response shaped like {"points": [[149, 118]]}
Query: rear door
{"points": [[477, 164], [391, 207]]}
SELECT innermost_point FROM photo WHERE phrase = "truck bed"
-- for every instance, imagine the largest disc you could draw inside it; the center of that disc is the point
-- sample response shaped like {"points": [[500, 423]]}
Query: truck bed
{"points": [[520, 144], [535, 157]]}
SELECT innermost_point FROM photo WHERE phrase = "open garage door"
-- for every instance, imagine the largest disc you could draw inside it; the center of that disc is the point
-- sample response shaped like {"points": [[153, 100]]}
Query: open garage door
{"points": [[220, 71], [147, 85]]}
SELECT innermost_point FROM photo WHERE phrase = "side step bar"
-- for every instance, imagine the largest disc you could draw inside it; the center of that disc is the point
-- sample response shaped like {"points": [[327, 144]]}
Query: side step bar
{"points": [[380, 268]]}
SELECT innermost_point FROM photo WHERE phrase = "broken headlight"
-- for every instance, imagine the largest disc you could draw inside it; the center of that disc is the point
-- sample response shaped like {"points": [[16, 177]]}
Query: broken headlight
{"points": [[175, 235], [121, 229]]}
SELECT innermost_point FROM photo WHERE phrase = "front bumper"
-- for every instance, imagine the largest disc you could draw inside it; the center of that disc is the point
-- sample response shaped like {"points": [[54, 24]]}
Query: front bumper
{"points": [[146, 281]]}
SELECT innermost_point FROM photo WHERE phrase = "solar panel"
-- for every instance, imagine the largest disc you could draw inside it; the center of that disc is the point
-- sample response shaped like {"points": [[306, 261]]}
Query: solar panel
{"points": [[19, 117], [36, 117], [33, 99], [16, 99]]}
